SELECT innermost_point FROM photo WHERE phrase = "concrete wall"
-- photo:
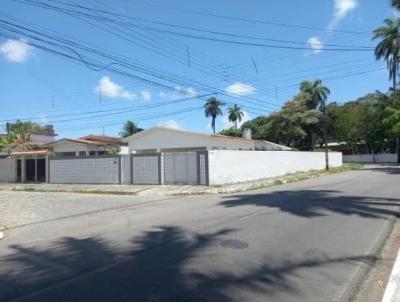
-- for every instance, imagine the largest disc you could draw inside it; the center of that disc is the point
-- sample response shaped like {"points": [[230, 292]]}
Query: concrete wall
{"points": [[239, 166], [370, 158], [100, 170], [7, 170]]}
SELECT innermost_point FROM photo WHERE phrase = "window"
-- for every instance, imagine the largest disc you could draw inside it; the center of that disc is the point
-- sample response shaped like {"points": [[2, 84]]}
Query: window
{"points": [[65, 154], [82, 153], [92, 153], [101, 152]]}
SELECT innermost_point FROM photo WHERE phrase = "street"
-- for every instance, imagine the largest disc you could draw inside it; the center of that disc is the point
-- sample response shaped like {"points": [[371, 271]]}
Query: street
{"points": [[313, 240]]}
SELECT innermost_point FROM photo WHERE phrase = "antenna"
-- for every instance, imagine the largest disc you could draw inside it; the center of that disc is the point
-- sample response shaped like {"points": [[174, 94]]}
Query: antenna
{"points": [[254, 64], [188, 56]]}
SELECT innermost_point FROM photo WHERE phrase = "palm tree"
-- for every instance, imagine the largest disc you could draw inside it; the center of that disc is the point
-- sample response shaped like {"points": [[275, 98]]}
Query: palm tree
{"points": [[389, 46], [396, 4], [318, 95], [130, 128], [212, 108], [317, 92], [235, 115]]}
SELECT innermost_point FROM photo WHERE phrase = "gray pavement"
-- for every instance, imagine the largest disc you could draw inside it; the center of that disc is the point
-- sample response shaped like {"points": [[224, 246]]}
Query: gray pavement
{"points": [[309, 241]]}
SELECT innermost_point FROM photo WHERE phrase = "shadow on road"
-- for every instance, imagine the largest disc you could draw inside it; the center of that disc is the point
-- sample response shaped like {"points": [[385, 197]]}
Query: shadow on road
{"points": [[314, 203], [155, 269], [388, 168]]}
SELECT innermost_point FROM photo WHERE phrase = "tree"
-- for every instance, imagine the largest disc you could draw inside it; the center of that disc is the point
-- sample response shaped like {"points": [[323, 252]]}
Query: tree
{"points": [[395, 4], [212, 108], [235, 114], [232, 131], [388, 48], [319, 95], [393, 124], [20, 134], [129, 128]]}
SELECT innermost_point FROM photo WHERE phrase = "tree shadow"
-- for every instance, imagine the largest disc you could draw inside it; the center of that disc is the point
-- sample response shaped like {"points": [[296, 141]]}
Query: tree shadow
{"points": [[154, 269], [388, 168], [314, 203]]}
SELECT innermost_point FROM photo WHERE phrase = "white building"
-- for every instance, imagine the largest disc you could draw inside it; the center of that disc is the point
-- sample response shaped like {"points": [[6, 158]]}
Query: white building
{"points": [[160, 139]]}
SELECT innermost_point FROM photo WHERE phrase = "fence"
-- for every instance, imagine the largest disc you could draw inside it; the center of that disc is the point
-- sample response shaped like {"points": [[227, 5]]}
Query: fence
{"points": [[85, 170], [7, 170], [227, 166], [142, 169], [192, 168], [381, 158]]}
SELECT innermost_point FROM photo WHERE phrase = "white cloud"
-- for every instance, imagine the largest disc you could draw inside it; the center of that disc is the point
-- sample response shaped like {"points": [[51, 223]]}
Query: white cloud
{"points": [[111, 89], [227, 124], [15, 50], [342, 8], [315, 44], [239, 88], [170, 124], [191, 92], [145, 95]]}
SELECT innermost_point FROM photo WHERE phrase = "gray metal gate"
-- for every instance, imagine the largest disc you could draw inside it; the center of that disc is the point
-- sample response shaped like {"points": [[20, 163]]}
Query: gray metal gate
{"points": [[146, 169], [186, 168]]}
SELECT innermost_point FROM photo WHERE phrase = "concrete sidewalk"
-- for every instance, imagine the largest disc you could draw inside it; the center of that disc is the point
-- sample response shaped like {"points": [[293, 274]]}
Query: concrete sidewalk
{"points": [[171, 190]]}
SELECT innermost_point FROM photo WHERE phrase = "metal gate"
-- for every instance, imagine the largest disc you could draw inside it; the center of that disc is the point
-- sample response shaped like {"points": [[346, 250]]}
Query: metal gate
{"points": [[146, 169], [186, 168]]}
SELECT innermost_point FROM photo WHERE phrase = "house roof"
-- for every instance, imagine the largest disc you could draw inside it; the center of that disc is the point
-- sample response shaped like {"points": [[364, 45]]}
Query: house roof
{"points": [[79, 140], [31, 152], [144, 132], [102, 139]]}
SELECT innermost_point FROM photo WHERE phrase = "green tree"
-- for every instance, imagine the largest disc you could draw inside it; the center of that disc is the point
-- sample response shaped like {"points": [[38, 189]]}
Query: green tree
{"points": [[318, 93], [393, 124], [232, 131], [388, 47], [395, 4], [19, 134], [129, 128], [235, 115], [212, 108]]}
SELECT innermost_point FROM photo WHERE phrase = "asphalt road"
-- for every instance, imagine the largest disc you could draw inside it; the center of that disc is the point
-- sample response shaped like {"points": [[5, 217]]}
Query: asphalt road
{"points": [[310, 241]]}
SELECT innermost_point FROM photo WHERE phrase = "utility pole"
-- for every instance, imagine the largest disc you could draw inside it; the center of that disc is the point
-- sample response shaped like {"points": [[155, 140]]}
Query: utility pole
{"points": [[325, 130]]}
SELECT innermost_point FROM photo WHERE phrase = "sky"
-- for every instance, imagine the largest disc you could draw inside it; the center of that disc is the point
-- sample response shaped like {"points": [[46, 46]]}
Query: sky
{"points": [[180, 53]]}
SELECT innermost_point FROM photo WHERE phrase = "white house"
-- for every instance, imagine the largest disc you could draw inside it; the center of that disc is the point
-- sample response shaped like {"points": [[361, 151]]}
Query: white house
{"points": [[160, 139]]}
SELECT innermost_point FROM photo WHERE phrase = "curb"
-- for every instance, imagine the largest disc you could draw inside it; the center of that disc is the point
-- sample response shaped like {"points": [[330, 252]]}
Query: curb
{"points": [[1, 235], [393, 288]]}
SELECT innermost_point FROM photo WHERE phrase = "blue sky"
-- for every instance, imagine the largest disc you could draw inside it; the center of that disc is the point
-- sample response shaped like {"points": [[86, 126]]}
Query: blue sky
{"points": [[49, 89]]}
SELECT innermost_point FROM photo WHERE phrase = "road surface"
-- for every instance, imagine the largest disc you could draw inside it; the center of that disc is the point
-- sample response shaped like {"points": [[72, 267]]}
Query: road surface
{"points": [[309, 241]]}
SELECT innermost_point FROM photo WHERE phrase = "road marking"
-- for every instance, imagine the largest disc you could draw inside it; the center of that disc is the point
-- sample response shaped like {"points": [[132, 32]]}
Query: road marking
{"points": [[393, 283]]}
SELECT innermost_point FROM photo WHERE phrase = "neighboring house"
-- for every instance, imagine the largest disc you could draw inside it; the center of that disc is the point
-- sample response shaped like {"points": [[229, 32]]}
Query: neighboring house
{"points": [[160, 139], [91, 145]]}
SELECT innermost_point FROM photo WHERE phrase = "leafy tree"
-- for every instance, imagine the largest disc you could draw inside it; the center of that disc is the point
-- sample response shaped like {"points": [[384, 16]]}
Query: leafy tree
{"points": [[388, 48], [20, 134], [129, 128], [393, 124], [232, 131], [256, 126], [7, 143], [235, 115], [212, 108], [395, 4]]}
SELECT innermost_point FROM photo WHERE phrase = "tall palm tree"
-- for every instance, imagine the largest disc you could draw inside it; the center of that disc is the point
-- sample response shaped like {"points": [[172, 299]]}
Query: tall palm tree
{"points": [[235, 114], [396, 3], [318, 94], [388, 48], [212, 108]]}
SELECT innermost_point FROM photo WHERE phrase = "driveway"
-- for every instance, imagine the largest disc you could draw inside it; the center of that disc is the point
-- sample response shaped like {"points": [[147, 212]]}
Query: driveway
{"points": [[310, 241]]}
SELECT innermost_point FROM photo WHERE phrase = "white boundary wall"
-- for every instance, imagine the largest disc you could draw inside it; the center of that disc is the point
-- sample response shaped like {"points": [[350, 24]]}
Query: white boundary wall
{"points": [[7, 170], [369, 158], [230, 166]]}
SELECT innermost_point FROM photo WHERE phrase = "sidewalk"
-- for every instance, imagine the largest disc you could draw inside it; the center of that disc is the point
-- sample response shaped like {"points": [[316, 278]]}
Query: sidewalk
{"points": [[392, 292], [168, 190]]}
